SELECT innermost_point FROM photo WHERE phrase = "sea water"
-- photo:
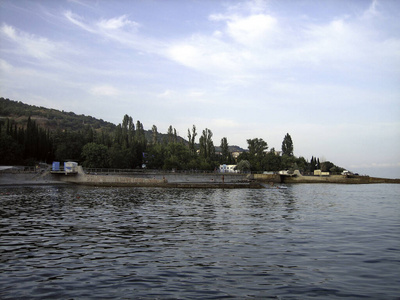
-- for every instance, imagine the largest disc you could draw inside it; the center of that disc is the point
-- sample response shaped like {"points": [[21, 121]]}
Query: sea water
{"points": [[322, 241]]}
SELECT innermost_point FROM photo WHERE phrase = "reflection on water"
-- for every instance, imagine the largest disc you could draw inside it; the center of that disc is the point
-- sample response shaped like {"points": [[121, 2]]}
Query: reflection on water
{"points": [[323, 241]]}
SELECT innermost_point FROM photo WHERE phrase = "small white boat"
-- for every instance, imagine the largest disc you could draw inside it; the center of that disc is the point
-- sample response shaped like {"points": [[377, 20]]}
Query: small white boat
{"points": [[281, 187]]}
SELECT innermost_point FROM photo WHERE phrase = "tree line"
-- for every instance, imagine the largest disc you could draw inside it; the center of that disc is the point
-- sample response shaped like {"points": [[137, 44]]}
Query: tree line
{"points": [[129, 146], [28, 145]]}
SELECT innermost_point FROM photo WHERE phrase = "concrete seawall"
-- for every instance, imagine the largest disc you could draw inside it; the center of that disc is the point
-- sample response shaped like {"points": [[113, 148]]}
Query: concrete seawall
{"points": [[179, 180], [338, 179], [342, 179], [266, 178], [156, 179], [106, 180]]}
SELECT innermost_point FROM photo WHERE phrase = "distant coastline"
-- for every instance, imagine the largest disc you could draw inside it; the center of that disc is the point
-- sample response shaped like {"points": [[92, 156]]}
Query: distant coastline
{"points": [[340, 179], [180, 180]]}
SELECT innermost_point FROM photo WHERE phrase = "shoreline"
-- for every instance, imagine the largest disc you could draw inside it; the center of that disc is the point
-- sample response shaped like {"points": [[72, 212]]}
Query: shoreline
{"points": [[340, 179], [180, 180]]}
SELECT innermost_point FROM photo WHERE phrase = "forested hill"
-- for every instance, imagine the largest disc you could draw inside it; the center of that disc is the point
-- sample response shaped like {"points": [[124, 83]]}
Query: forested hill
{"points": [[53, 120], [31, 134], [48, 118]]}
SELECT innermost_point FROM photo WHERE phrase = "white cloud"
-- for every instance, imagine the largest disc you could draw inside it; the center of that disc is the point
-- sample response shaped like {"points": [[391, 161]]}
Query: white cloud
{"points": [[37, 47], [208, 55], [336, 42], [182, 97], [166, 94], [260, 44], [77, 20], [118, 29], [82, 3], [104, 90], [9, 31], [196, 93], [372, 11], [223, 124], [249, 43], [116, 23], [186, 54], [251, 30], [5, 66]]}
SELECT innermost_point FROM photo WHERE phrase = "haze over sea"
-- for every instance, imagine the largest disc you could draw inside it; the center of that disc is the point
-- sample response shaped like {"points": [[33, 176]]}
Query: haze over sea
{"points": [[307, 241]]}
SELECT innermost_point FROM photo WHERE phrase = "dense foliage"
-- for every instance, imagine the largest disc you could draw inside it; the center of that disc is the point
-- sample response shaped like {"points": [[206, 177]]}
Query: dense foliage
{"points": [[287, 145], [30, 134]]}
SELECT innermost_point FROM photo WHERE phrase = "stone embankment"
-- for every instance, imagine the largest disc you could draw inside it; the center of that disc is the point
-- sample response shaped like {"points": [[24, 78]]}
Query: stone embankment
{"points": [[178, 180], [342, 179], [174, 180]]}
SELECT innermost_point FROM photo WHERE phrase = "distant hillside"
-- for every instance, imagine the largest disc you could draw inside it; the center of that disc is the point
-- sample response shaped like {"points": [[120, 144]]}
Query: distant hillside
{"points": [[53, 119], [30, 134]]}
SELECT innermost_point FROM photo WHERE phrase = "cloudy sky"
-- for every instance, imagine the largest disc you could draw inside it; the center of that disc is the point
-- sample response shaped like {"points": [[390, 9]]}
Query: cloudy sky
{"points": [[326, 72]]}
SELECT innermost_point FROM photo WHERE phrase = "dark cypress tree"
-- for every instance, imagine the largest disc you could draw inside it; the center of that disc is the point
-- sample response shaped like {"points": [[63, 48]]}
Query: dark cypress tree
{"points": [[312, 164], [8, 127]]}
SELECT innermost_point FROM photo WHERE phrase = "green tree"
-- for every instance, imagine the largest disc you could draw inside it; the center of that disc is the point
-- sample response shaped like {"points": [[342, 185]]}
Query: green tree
{"points": [[226, 156], [288, 162], [175, 136], [170, 134], [140, 144], [177, 156], [314, 164], [287, 145], [243, 166], [207, 149], [336, 170], [127, 131], [326, 166], [257, 148], [154, 135], [10, 150], [272, 161], [68, 145], [119, 158], [302, 164], [192, 139], [156, 156], [95, 156]]}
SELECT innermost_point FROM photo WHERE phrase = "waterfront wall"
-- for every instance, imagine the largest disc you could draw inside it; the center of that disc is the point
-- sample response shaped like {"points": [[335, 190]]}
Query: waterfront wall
{"points": [[115, 180], [298, 178], [266, 178], [156, 179], [188, 179], [337, 179]]}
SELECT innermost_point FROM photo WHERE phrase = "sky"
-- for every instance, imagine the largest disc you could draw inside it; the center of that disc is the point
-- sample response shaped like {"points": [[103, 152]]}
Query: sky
{"points": [[326, 72]]}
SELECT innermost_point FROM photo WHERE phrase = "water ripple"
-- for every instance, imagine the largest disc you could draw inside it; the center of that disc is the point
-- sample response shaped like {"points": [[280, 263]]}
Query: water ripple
{"points": [[308, 241]]}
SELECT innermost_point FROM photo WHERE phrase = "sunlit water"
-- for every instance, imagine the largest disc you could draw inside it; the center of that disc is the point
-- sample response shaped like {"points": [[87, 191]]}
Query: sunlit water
{"points": [[307, 241]]}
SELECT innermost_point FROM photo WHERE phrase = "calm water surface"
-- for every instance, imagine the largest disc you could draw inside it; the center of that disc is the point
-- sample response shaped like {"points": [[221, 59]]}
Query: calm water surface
{"points": [[307, 241]]}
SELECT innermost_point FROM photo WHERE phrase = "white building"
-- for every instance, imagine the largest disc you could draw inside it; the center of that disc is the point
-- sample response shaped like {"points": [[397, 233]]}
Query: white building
{"points": [[227, 169], [320, 173]]}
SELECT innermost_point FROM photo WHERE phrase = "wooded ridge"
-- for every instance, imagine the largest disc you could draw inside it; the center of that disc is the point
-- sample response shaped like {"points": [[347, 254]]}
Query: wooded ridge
{"points": [[30, 134]]}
